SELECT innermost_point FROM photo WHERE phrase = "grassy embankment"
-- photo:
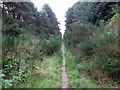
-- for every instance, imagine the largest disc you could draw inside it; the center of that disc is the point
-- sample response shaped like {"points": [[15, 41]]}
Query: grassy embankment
{"points": [[79, 73]]}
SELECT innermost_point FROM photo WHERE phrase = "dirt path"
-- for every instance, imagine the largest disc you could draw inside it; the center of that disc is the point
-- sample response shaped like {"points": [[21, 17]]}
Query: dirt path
{"points": [[64, 74]]}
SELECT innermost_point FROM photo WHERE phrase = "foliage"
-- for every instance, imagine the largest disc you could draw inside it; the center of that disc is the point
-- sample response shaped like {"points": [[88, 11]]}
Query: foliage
{"points": [[28, 35], [91, 12], [52, 45], [48, 76], [116, 18], [88, 38], [4, 82], [52, 20], [75, 74]]}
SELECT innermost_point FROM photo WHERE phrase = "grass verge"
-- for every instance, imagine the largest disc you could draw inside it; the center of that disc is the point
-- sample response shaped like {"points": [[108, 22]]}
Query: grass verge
{"points": [[85, 73], [75, 78], [48, 75]]}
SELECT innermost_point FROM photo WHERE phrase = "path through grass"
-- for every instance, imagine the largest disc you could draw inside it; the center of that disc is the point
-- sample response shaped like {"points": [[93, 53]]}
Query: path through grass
{"points": [[82, 73], [75, 79]]}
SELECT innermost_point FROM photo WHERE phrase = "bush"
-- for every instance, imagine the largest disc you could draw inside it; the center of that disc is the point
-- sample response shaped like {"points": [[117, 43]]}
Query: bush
{"points": [[111, 66], [100, 44], [52, 45], [4, 82]]}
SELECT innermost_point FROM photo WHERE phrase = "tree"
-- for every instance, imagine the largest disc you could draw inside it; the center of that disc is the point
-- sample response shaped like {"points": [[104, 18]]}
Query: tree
{"points": [[51, 19]]}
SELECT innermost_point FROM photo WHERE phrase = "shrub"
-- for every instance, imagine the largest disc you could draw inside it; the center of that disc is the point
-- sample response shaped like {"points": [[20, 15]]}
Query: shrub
{"points": [[52, 45], [111, 66], [100, 44], [4, 82]]}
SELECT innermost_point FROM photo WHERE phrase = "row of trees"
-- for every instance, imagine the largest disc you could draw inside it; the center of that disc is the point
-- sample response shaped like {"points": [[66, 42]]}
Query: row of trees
{"points": [[91, 12], [21, 22], [28, 16], [92, 33]]}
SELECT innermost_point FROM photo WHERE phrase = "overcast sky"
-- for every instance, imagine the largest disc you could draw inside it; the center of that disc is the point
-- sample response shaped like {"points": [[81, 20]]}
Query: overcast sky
{"points": [[59, 7]]}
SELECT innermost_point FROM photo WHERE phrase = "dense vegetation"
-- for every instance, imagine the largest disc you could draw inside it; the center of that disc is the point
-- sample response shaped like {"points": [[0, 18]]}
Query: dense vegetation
{"points": [[29, 38], [31, 41], [92, 36]]}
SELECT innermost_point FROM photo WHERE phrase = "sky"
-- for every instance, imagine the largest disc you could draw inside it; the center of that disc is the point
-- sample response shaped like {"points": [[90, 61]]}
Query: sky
{"points": [[59, 7]]}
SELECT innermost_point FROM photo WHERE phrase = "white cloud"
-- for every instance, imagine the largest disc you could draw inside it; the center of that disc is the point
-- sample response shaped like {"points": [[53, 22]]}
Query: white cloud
{"points": [[59, 7]]}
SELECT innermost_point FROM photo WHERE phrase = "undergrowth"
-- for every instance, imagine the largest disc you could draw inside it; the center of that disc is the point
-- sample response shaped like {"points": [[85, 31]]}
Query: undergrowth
{"points": [[48, 74], [85, 74]]}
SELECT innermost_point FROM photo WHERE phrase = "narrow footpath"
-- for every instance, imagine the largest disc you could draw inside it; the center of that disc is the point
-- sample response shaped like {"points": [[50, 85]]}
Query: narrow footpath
{"points": [[64, 74]]}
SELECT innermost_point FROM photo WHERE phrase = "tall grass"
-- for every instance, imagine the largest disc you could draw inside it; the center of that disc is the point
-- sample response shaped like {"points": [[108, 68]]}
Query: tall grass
{"points": [[95, 56], [47, 76], [76, 79]]}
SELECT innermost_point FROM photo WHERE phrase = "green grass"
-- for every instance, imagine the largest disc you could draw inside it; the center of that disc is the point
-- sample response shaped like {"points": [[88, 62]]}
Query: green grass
{"points": [[51, 73], [49, 76], [31, 53], [83, 73], [76, 79]]}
